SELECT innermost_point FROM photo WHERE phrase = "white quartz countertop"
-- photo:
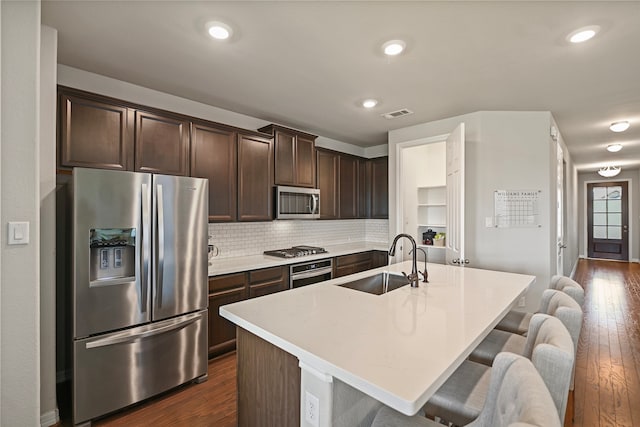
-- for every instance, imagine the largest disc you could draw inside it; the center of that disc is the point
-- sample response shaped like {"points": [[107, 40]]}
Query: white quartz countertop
{"points": [[397, 347], [254, 262]]}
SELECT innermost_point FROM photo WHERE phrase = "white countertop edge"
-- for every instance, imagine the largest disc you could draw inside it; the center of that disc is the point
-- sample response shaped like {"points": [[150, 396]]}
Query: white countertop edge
{"points": [[219, 266]]}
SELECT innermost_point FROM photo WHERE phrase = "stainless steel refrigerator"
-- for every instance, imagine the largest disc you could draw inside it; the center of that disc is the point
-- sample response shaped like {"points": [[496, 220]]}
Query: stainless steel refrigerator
{"points": [[139, 287]]}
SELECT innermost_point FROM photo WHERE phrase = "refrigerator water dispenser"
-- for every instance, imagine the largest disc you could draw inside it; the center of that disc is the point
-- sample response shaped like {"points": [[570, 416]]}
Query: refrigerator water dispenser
{"points": [[113, 253]]}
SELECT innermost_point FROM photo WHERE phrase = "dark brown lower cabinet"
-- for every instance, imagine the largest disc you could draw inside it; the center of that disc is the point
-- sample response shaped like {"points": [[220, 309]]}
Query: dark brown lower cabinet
{"points": [[268, 281], [224, 290], [354, 263], [230, 288], [380, 259]]}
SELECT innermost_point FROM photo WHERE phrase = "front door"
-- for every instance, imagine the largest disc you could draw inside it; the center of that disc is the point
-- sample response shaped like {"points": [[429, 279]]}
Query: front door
{"points": [[608, 220]]}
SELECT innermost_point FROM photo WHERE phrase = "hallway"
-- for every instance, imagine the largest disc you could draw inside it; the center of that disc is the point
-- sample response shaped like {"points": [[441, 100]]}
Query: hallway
{"points": [[607, 389]]}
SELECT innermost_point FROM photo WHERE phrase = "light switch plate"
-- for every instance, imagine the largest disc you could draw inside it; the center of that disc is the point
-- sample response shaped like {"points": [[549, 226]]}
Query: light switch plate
{"points": [[488, 221], [18, 233]]}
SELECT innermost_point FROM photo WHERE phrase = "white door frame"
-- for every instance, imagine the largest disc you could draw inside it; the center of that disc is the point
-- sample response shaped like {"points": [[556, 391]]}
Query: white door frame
{"points": [[585, 231], [400, 147]]}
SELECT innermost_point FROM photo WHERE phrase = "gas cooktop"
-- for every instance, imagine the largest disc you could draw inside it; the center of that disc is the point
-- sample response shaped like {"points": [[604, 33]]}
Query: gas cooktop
{"points": [[296, 251]]}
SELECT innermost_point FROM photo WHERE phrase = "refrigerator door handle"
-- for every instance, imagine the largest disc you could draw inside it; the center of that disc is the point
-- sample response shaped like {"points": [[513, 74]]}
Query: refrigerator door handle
{"points": [[160, 254], [145, 237], [129, 337]]}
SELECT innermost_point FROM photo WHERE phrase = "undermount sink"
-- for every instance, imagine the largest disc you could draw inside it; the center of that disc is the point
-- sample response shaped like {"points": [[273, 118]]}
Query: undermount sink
{"points": [[378, 284]]}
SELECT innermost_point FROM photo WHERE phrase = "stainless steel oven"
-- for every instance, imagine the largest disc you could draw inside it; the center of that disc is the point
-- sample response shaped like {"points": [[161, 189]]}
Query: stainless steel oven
{"points": [[310, 272]]}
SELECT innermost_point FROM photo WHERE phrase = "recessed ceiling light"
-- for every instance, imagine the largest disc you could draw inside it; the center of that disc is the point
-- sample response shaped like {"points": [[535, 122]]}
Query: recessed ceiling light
{"points": [[609, 171], [393, 47], [219, 30], [583, 34], [369, 103], [614, 148], [619, 126]]}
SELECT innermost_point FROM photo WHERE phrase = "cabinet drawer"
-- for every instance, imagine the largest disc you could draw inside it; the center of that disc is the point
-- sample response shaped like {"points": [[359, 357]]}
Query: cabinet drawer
{"points": [[266, 274], [353, 259], [229, 281]]}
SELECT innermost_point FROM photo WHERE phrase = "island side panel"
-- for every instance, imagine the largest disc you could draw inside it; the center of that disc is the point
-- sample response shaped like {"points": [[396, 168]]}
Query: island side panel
{"points": [[268, 383]]}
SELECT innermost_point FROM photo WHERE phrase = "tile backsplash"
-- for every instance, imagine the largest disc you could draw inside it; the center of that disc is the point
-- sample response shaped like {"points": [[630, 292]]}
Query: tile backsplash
{"points": [[253, 238]]}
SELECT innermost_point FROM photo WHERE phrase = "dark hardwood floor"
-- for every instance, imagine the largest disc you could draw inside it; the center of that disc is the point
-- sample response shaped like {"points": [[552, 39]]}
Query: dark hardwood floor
{"points": [[607, 386], [210, 404]]}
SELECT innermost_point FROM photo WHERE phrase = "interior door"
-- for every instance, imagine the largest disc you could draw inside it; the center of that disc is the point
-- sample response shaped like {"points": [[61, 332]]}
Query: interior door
{"points": [[455, 197], [180, 207], [560, 210], [608, 220]]}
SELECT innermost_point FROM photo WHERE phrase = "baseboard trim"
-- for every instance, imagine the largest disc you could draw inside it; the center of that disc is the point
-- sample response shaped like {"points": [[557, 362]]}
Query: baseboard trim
{"points": [[635, 259], [572, 275], [50, 418]]}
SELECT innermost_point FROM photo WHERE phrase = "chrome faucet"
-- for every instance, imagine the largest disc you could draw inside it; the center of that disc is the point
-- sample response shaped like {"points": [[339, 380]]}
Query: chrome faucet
{"points": [[425, 274], [413, 277]]}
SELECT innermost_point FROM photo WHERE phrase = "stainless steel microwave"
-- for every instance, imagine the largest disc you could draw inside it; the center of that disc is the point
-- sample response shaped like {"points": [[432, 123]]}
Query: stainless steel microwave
{"points": [[297, 203]]}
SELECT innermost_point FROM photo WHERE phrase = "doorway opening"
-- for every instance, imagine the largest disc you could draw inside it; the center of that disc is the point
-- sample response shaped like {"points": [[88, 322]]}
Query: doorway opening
{"points": [[608, 220]]}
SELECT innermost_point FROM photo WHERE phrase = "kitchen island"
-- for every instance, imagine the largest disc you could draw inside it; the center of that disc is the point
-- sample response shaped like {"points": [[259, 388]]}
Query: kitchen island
{"points": [[347, 352]]}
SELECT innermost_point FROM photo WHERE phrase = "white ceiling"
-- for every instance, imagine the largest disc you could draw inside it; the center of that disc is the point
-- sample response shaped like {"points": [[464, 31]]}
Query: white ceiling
{"points": [[308, 64]]}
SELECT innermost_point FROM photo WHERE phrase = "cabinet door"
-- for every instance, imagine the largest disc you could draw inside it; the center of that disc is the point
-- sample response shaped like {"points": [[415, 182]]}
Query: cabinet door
{"points": [[380, 187], [380, 259], [284, 158], [213, 156], [255, 178], [354, 263], [162, 144], [268, 281], [328, 184], [305, 162], [348, 184], [224, 290], [364, 188], [94, 134]]}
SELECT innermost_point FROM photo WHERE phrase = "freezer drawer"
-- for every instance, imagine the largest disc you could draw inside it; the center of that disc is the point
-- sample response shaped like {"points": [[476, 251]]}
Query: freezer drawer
{"points": [[118, 369]]}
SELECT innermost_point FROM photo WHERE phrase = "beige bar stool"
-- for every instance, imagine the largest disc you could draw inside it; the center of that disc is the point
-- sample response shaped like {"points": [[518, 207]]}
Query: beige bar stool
{"points": [[516, 396], [463, 395]]}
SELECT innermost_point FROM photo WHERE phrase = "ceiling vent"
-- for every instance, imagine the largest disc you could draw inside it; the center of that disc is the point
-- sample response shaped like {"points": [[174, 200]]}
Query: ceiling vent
{"points": [[397, 113]]}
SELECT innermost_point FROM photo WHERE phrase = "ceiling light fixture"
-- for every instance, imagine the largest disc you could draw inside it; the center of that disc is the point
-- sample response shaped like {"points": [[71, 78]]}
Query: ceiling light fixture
{"points": [[219, 30], [619, 126], [393, 47], [583, 34], [609, 171], [369, 103], [614, 148]]}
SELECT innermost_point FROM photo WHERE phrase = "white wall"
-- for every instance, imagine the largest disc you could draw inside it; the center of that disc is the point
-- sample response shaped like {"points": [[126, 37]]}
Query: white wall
{"points": [[19, 304], [48, 66], [633, 177], [91, 82], [504, 151]]}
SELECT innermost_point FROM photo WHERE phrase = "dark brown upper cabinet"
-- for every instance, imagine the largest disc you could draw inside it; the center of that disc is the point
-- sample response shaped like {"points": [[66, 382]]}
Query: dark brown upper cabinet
{"points": [[380, 187], [348, 187], [93, 131], [328, 175], [214, 156], [294, 153], [255, 178], [364, 188], [162, 144]]}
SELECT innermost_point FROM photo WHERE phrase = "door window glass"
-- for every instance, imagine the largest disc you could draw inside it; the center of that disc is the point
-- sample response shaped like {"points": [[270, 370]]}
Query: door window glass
{"points": [[607, 212]]}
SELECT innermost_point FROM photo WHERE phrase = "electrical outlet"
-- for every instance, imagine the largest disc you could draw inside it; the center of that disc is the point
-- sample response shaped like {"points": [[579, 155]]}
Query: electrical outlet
{"points": [[311, 409], [522, 302]]}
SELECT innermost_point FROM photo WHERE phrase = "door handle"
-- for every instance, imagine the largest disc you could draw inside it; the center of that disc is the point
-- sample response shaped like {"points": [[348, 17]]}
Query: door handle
{"points": [[160, 213], [562, 246], [144, 243], [129, 337]]}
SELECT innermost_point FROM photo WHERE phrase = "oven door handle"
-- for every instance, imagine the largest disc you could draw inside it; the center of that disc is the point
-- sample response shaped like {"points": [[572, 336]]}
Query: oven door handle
{"points": [[313, 273]]}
